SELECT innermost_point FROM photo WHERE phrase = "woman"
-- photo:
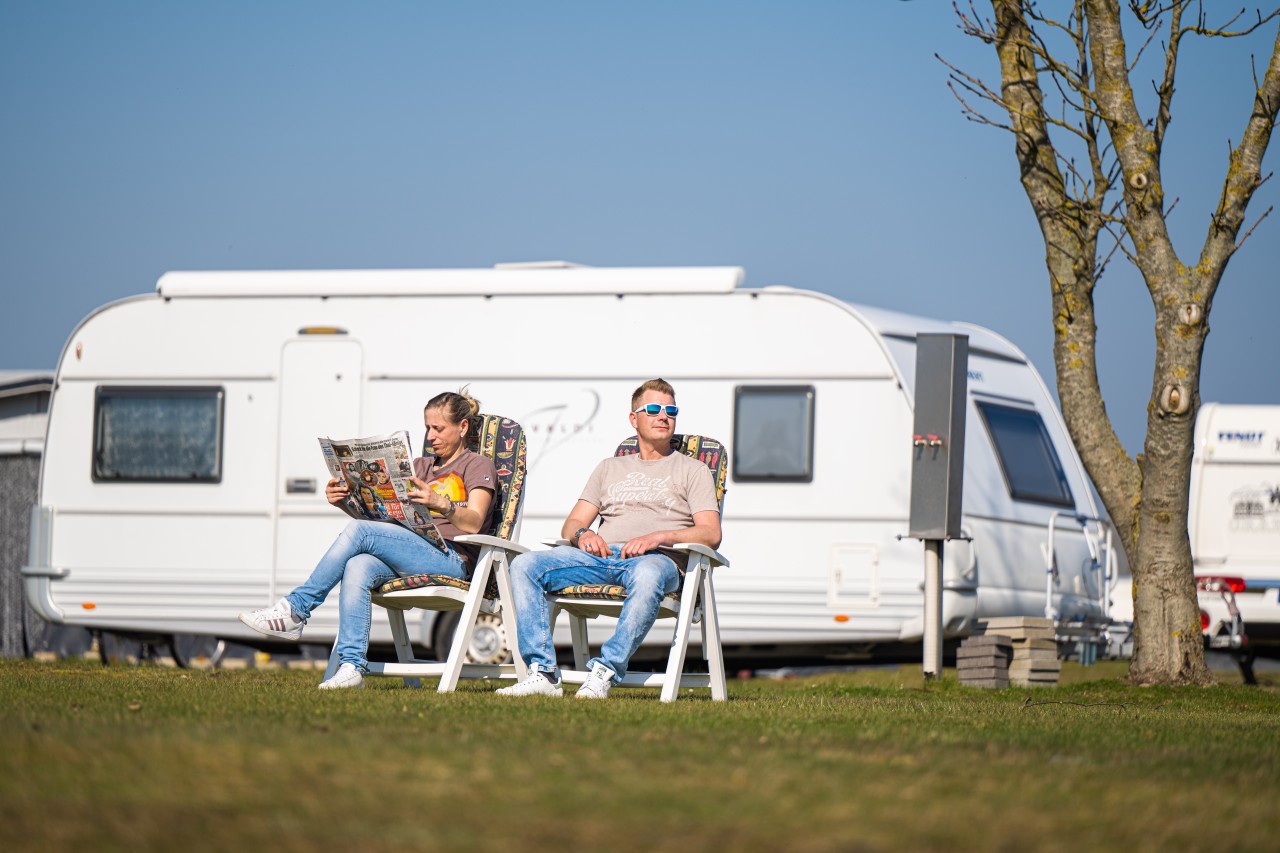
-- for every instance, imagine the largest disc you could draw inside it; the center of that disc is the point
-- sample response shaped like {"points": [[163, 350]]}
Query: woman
{"points": [[367, 554]]}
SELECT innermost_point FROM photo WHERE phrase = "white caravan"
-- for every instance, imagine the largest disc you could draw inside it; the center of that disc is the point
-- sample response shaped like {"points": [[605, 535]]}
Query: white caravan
{"points": [[182, 482], [1234, 522]]}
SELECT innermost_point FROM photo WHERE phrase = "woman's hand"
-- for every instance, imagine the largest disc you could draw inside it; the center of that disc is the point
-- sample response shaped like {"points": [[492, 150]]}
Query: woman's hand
{"points": [[336, 491], [424, 495]]}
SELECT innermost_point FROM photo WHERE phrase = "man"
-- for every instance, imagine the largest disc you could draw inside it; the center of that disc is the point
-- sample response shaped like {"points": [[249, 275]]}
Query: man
{"points": [[650, 500]]}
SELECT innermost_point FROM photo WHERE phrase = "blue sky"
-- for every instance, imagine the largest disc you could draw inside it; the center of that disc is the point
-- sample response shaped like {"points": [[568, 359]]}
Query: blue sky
{"points": [[814, 143]]}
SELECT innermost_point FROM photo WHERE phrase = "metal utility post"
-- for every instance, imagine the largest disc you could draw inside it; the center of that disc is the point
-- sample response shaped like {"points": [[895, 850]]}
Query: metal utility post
{"points": [[937, 469]]}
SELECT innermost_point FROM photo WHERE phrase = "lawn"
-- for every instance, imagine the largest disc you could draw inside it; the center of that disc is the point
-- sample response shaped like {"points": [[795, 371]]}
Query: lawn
{"points": [[144, 757]]}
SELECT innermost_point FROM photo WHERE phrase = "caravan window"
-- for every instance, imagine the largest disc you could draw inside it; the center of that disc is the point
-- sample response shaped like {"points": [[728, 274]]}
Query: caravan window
{"points": [[773, 433], [158, 435], [1030, 464]]}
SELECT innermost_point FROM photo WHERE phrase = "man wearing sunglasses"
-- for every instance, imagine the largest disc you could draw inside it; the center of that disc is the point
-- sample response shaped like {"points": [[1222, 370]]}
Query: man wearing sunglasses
{"points": [[646, 501]]}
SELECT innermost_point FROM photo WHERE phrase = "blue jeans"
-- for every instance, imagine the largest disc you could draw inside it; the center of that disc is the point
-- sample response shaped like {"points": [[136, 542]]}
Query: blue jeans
{"points": [[366, 555], [647, 578]]}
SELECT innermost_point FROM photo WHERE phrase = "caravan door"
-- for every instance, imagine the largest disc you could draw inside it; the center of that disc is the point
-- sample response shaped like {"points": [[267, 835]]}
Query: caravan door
{"points": [[321, 378]]}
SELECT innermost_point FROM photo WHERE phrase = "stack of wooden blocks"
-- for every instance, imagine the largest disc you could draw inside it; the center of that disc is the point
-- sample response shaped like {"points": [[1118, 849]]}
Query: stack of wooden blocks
{"points": [[1035, 651], [983, 661]]}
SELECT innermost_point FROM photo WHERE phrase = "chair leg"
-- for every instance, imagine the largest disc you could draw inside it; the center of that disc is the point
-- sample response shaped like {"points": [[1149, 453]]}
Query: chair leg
{"points": [[466, 624], [506, 599], [400, 636], [333, 661], [712, 649], [581, 644], [699, 617], [684, 623]]}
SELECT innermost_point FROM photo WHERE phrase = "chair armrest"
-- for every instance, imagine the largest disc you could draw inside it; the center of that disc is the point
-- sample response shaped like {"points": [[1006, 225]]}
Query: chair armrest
{"points": [[555, 542], [492, 541], [716, 558]]}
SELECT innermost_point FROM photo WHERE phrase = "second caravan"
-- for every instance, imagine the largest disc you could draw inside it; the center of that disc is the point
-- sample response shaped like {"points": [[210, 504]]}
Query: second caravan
{"points": [[1234, 525], [231, 376]]}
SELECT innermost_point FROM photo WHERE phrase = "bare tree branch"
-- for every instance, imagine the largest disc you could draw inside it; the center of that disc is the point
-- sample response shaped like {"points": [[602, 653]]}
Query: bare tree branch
{"points": [[1222, 30], [1244, 170], [1151, 35], [1248, 233], [1165, 90]]}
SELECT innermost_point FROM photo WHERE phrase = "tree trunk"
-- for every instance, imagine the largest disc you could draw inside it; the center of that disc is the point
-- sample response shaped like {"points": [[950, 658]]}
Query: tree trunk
{"points": [[1168, 646]]}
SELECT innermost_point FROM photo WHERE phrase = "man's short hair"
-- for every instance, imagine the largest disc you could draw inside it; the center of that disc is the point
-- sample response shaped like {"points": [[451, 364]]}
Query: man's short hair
{"points": [[662, 386]]}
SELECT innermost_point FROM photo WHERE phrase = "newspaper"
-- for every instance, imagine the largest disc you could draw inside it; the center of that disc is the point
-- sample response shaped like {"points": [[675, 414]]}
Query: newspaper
{"points": [[378, 469]]}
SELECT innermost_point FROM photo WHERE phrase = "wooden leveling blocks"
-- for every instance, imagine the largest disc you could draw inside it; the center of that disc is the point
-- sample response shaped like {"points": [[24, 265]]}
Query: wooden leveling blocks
{"points": [[1034, 660]]}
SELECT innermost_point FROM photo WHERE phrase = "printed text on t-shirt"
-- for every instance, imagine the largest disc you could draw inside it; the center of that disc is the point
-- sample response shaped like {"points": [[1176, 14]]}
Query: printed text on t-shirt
{"points": [[641, 489]]}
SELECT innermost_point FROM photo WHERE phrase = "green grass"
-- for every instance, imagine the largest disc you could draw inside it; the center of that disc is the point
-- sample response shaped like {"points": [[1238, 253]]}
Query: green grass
{"points": [[115, 758]]}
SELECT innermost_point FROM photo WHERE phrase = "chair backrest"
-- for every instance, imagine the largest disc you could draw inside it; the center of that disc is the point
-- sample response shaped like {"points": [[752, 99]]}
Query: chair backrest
{"points": [[501, 440], [708, 451]]}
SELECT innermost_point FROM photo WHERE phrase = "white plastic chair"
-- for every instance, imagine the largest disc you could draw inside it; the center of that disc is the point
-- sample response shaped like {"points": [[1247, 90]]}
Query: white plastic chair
{"points": [[695, 601], [502, 441]]}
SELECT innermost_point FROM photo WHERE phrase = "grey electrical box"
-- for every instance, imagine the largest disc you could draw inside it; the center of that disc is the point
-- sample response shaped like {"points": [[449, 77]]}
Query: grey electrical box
{"points": [[937, 442]]}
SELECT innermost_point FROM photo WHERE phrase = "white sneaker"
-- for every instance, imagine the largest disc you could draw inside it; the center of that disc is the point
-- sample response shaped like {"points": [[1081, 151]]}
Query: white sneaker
{"points": [[346, 676], [535, 683], [275, 621], [598, 683]]}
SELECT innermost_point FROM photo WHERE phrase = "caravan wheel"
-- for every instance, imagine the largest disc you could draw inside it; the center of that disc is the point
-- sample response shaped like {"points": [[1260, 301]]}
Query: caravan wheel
{"points": [[488, 642], [193, 651]]}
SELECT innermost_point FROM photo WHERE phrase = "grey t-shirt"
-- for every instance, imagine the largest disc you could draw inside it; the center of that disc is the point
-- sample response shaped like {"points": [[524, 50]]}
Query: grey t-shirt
{"points": [[457, 480], [636, 496]]}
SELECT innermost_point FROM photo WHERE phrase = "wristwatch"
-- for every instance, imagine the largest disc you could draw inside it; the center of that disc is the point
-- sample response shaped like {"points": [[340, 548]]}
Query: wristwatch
{"points": [[578, 535], [448, 513]]}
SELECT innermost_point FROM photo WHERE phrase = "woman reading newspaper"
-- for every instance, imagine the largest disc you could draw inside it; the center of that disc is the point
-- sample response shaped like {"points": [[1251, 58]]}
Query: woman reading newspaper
{"points": [[456, 486]]}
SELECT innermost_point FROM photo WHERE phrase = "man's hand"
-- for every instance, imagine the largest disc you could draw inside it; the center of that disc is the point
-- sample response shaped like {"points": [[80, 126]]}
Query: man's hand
{"points": [[593, 543], [645, 544]]}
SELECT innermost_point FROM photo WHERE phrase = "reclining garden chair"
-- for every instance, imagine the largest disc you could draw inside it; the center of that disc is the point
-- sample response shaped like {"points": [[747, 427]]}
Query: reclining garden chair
{"points": [[694, 601], [502, 441]]}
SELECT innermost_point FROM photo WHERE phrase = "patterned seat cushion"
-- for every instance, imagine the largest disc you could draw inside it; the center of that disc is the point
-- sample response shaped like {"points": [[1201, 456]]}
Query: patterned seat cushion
{"points": [[420, 581], [502, 440], [603, 591]]}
